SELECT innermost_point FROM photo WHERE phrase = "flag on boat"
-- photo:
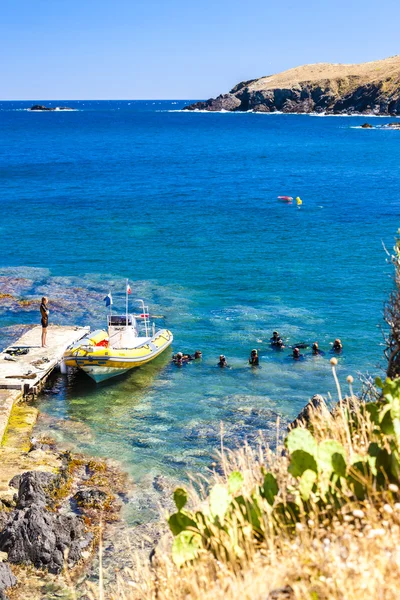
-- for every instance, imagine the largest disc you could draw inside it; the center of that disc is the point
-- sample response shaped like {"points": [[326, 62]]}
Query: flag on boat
{"points": [[108, 299], [128, 289]]}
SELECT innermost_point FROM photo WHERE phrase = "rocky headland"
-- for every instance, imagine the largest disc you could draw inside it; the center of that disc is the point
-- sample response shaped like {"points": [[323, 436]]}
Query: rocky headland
{"points": [[369, 88]]}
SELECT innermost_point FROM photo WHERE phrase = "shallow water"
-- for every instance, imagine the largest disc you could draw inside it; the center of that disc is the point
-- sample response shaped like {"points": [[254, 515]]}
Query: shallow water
{"points": [[185, 206]]}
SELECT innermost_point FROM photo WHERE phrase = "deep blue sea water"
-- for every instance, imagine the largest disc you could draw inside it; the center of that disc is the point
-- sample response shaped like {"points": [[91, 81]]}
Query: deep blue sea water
{"points": [[185, 206]]}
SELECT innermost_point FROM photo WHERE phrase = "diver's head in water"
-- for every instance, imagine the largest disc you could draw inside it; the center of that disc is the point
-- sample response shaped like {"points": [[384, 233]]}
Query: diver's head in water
{"points": [[337, 345], [198, 354], [315, 348], [296, 353]]}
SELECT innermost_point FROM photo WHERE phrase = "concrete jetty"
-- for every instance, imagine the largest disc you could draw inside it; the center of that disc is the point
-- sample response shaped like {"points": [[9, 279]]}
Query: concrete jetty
{"points": [[25, 365]]}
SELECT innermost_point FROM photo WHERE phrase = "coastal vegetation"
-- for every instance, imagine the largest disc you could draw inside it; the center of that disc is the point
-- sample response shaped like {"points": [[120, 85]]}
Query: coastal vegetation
{"points": [[367, 88]]}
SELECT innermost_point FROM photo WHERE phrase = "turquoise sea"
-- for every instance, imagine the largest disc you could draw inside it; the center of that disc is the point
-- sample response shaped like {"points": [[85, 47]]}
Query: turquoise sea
{"points": [[185, 206]]}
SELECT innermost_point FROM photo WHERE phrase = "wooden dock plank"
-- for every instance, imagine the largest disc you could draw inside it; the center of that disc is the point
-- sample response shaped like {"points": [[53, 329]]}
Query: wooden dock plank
{"points": [[33, 367]]}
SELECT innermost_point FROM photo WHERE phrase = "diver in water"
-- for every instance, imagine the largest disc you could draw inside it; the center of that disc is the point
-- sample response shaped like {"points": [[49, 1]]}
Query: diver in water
{"points": [[315, 350], [296, 354], [276, 338], [337, 346], [279, 345], [178, 358], [254, 360], [222, 361]]}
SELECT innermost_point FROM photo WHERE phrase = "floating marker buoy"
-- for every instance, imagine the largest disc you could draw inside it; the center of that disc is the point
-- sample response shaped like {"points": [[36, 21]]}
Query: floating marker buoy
{"points": [[299, 201]]}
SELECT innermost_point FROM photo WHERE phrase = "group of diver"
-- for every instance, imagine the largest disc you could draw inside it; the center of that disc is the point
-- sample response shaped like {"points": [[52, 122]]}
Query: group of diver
{"points": [[276, 343]]}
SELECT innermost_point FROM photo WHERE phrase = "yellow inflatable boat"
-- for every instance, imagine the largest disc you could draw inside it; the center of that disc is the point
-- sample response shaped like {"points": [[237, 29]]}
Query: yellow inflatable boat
{"points": [[105, 354]]}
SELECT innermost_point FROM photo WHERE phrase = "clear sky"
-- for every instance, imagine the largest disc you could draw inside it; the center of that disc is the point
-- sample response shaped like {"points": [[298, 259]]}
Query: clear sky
{"points": [[133, 49]]}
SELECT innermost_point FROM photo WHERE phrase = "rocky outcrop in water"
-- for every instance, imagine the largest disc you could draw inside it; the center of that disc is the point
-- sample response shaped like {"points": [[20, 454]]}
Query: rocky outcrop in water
{"points": [[91, 498], [40, 107], [368, 88]]}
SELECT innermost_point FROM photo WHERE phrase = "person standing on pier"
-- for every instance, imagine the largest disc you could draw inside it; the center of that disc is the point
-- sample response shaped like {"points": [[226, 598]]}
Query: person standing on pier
{"points": [[44, 311]]}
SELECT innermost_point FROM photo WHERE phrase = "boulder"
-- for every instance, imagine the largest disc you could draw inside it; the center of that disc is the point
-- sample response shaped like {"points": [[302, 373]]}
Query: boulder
{"points": [[367, 126], [90, 498], [316, 403], [36, 536], [223, 102], [7, 579], [33, 488]]}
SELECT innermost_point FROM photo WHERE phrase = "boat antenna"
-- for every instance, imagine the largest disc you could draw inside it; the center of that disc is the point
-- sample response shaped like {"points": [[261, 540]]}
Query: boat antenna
{"points": [[126, 302]]}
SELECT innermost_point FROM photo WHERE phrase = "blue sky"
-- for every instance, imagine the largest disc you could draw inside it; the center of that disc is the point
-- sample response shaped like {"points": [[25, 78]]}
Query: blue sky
{"points": [[133, 49]]}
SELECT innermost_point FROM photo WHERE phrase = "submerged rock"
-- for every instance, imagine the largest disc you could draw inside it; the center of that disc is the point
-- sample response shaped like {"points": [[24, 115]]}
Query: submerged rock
{"points": [[7, 579], [367, 126], [392, 126], [91, 498]]}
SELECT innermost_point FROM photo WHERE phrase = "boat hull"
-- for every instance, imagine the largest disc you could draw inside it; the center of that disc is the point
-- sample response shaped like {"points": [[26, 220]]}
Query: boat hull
{"points": [[102, 363]]}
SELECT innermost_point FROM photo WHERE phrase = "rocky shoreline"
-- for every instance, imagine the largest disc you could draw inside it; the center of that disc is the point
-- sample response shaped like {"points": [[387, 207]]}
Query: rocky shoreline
{"points": [[56, 506], [330, 89], [53, 516]]}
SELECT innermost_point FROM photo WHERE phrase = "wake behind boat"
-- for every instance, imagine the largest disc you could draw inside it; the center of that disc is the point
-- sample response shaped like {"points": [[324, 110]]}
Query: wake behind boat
{"points": [[104, 354]]}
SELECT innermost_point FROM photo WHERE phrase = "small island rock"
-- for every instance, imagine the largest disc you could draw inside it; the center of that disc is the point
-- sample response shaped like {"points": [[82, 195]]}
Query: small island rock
{"points": [[40, 107]]}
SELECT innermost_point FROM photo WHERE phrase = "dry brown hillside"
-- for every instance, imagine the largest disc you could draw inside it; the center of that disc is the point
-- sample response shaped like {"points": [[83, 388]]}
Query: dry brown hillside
{"points": [[369, 88]]}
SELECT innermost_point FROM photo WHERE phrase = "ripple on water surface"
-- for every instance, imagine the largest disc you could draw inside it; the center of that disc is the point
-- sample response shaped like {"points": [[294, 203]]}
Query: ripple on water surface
{"points": [[185, 206]]}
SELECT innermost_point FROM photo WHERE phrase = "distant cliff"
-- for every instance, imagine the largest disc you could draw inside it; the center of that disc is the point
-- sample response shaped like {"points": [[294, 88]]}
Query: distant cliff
{"points": [[368, 88]]}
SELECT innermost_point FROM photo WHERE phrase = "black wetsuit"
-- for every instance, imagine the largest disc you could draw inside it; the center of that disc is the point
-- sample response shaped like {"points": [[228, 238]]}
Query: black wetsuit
{"points": [[45, 315]]}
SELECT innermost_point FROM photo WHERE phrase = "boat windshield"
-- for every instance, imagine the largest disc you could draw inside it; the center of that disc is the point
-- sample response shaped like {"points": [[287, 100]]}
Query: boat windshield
{"points": [[120, 320]]}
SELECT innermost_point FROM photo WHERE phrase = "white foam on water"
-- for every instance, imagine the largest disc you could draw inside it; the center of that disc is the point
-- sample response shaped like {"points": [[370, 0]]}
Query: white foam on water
{"points": [[279, 112]]}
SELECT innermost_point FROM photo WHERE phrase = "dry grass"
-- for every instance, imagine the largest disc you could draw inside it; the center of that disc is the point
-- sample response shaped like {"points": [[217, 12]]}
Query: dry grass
{"points": [[347, 77]]}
